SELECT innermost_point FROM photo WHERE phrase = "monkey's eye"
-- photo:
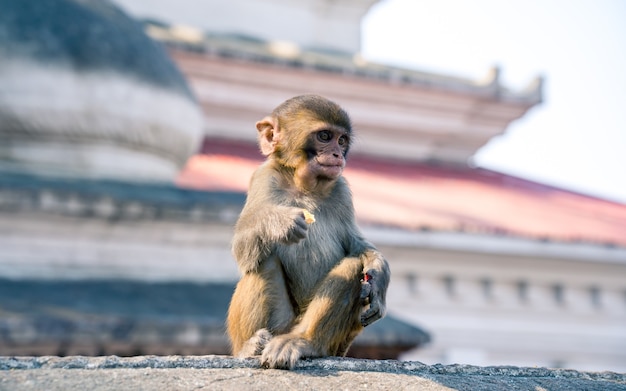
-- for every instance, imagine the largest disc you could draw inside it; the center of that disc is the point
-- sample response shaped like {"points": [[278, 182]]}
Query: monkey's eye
{"points": [[343, 140], [324, 136]]}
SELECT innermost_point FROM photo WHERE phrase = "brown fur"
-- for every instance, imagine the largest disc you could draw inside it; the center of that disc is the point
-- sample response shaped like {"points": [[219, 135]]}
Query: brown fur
{"points": [[302, 292]]}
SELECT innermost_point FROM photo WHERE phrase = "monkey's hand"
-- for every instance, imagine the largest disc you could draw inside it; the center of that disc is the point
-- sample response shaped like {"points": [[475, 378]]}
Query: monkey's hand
{"points": [[374, 287], [258, 230], [296, 224]]}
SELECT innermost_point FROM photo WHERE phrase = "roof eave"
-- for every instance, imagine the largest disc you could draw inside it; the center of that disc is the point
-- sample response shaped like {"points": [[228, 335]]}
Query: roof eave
{"points": [[502, 245]]}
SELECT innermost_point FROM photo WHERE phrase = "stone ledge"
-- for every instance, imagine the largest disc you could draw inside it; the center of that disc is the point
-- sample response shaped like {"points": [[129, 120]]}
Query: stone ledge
{"points": [[224, 372]]}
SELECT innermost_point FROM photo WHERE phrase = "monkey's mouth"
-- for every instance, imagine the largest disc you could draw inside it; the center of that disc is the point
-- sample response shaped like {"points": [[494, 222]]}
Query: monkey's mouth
{"points": [[330, 171], [337, 165], [330, 162]]}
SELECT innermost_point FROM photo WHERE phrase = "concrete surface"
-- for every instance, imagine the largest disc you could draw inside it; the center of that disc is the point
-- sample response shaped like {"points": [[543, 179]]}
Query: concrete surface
{"points": [[227, 373]]}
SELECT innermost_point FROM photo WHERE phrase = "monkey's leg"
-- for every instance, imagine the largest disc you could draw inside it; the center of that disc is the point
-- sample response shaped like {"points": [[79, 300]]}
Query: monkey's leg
{"points": [[329, 324], [260, 307]]}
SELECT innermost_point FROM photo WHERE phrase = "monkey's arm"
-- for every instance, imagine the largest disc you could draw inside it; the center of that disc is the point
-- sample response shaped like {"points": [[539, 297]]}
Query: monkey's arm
{"points": [[376, 276], [264, 222], [376, 273]]}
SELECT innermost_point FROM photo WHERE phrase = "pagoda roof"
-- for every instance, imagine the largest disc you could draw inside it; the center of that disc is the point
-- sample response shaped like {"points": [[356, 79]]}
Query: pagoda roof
{"points": [[426, 197], [252, 49]]}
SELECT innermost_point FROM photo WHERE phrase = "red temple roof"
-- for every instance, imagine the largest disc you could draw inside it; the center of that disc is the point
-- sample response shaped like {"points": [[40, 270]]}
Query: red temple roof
{"points": [[438, 198]]}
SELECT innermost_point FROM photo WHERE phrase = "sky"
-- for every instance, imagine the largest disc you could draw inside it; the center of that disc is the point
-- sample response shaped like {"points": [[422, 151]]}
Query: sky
{"points": [[576, 139]]}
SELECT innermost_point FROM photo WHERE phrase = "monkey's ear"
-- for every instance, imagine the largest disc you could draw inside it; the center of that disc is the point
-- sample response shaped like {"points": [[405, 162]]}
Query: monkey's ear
{"points": [[268, 135]]}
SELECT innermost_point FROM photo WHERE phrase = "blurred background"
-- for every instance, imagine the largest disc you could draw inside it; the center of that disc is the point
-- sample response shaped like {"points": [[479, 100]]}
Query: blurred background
{"points": [[487, 168]]}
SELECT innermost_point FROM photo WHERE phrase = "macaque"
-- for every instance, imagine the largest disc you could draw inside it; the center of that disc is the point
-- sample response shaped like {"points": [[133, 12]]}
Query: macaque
{"points": [[310, 281]]}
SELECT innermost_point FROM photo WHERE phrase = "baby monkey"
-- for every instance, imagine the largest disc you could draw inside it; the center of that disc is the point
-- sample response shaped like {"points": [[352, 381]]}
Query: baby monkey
{"points": [[310, 281]]}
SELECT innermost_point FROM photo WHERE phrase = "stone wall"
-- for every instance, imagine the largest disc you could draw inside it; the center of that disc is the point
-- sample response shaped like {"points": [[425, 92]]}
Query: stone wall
{"points": [[226, 373]]}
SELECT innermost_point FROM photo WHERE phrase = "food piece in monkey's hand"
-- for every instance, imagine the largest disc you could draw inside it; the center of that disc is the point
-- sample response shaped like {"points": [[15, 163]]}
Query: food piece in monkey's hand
{"points": [[308, 216]]}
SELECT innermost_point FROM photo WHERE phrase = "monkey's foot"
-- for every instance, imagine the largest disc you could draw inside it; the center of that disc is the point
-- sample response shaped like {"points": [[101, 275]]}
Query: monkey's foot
{"points": [[255, 345], [283, 351]]}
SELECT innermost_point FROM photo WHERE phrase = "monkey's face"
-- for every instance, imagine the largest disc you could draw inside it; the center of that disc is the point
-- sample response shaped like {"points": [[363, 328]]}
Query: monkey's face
{"points": [[311, 136], [326, 150]]}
